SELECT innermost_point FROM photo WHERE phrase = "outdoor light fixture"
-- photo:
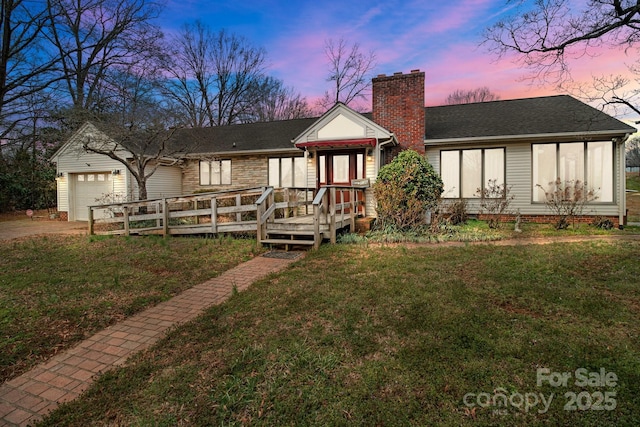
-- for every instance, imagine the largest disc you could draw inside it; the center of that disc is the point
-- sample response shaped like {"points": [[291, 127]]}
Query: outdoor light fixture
{"points": [[369, 154], [60, 175], [115, 172]]}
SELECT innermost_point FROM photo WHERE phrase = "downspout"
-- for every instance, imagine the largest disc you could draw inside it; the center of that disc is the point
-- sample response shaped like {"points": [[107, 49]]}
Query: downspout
{"points": [[392, 138], [379, 147], [623, 179]]}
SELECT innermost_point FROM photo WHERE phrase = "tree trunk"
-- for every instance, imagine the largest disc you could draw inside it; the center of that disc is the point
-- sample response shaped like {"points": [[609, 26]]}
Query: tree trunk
{"points": [[142, 193]]}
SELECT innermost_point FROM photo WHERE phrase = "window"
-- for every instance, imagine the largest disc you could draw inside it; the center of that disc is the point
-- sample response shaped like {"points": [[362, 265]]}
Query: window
{"points": [[464, 172], [359, 166], [600, 169], [471, 172], [287, 172], [341, 168], [591, 163], [450, 173], [216, 172], [322, 165]]}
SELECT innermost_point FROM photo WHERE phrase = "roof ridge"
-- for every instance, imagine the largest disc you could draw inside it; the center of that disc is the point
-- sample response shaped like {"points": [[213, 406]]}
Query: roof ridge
{"points": [[496, 101]]}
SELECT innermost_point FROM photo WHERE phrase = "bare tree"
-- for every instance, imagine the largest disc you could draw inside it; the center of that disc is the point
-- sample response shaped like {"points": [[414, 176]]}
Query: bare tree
{"points": [[137, 127], [192, 82], [272, 101], [25, 63], [461, 96], [349, 73], [633, 153], [547, 34], [92, 36], [212, 75]]}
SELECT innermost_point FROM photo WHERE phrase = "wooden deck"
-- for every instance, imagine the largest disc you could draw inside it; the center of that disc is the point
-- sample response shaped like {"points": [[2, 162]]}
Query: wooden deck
{"points": [[286, 216], [334, 208]]}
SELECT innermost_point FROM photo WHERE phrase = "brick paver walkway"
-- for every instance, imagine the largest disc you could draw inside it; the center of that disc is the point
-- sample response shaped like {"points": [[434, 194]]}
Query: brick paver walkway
{"points": [[29, 397]]}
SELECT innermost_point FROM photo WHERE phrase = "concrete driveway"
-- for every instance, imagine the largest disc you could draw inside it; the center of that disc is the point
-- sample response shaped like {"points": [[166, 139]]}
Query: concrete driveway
{"points": [[27, 227]]}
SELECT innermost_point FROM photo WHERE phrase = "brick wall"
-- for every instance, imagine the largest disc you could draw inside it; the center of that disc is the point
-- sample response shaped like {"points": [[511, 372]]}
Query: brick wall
{"points": [[246, 171], [550, 219], [398, 106]]}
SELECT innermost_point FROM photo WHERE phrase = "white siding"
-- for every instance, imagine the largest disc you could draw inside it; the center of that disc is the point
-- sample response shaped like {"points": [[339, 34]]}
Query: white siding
{"points": [[311, 172], [371, 173], [165, 182], [518, 163], [371, 132], [72, 161], [518, 177], [62, 185], [341, 127]]}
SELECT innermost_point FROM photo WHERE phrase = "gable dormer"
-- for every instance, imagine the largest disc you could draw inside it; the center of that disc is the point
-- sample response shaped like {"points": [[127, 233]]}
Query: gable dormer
{"points": [[344, 127]]}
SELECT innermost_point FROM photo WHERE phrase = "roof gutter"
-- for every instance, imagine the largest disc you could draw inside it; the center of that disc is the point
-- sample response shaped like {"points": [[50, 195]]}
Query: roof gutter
{"points": [[243, 152], [529, 137], [392, 139]]}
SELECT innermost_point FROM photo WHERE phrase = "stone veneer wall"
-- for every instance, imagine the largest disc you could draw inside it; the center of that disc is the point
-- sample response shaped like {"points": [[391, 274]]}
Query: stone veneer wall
{"points": [[246, 171]]}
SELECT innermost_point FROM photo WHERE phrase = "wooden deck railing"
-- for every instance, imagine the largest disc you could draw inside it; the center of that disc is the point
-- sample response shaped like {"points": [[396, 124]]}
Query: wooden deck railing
{"points": [[243, 210], [334, 202], [282, 203], [216, 212]]}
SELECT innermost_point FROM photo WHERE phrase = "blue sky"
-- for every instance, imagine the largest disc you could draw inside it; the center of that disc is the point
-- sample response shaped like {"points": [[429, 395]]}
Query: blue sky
{"points": [[439, 38]]}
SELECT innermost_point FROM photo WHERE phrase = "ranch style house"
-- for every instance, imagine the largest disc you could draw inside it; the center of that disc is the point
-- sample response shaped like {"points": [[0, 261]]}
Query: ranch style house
{"points": [[524, 143]]}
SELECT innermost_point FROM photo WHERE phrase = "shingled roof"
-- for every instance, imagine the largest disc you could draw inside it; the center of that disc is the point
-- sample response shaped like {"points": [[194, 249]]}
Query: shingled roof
{"points": [[561, 114], [265, 136], [517, 118]]}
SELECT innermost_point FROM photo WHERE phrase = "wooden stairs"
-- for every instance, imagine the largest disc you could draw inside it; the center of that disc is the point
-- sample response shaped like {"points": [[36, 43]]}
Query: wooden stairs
{"points": [[334, 208], [297, 231]]}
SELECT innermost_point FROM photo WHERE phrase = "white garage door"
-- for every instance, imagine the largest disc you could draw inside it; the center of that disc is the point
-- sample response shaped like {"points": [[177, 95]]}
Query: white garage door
{"points": [[87, 188]]}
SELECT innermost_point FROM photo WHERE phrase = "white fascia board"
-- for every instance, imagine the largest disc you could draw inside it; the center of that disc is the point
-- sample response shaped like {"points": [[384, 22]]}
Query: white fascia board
{"points": [[530, 137]]}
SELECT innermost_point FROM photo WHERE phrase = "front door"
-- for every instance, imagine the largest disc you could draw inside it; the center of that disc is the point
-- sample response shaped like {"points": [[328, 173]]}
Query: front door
{"points": [[340, 167]]}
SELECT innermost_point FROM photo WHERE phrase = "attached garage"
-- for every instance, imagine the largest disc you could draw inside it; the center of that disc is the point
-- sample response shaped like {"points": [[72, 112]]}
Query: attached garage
{"points": [[89, 189], [88, 179]]}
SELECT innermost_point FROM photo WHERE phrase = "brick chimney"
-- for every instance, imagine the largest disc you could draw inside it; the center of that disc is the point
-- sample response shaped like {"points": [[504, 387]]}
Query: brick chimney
{"points": [[398, 106]]}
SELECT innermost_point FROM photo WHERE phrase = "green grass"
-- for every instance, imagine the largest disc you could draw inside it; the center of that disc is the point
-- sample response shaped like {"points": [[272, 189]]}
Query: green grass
{"points": [[633, 182], [393, 336], [57, 290], [633, 199]]}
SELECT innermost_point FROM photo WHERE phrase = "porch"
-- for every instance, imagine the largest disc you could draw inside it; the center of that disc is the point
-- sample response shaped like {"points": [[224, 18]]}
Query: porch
{"points": [[282, 216]]}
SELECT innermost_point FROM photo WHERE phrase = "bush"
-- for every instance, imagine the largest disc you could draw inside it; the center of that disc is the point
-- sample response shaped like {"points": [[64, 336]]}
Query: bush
{"points": [[602, 223], [494, 201], [456, 212], [566, 200], [405, 189]]}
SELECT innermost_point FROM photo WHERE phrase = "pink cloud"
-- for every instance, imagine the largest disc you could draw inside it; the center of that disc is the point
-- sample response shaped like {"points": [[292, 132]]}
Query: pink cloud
{"points": [[438, 38]]}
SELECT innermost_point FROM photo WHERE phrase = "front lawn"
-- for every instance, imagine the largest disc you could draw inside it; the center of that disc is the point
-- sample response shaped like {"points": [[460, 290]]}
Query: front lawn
{"points": [[633, 198], [57, 290], [399, 336], [633, 181]]}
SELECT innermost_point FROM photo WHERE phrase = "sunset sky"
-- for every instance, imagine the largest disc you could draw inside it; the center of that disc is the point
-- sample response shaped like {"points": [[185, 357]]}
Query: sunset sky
{"points": [[440, 38]]}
